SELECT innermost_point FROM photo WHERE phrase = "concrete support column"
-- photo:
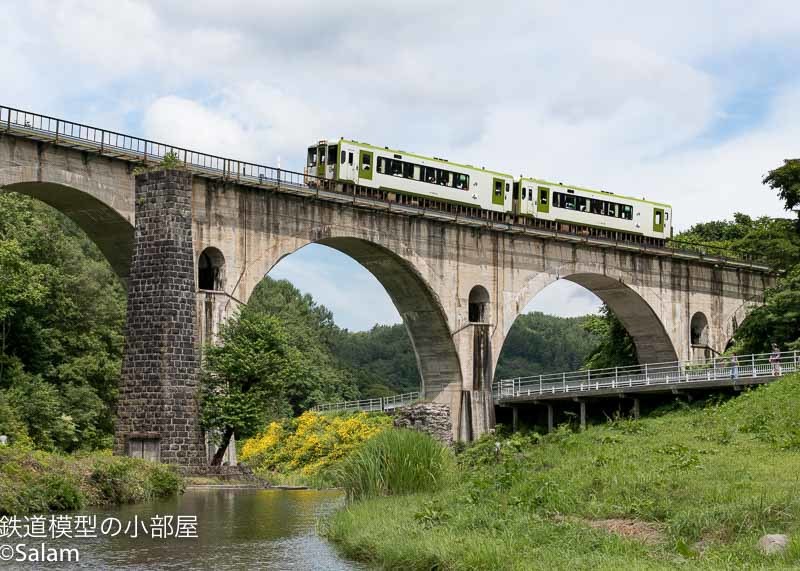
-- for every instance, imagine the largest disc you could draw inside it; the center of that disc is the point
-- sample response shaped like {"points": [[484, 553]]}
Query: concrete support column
{"points": [[514, 418], [635, 409], [549, 417], [157, 410], [582, 404]]}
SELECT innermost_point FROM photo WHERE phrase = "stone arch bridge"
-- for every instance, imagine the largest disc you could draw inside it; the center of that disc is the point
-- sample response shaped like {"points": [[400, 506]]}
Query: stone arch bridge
{"points": [[192, 244]]}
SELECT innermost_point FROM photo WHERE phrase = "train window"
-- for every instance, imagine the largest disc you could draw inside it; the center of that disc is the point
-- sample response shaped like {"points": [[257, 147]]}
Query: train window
{"points": [[332, 154], [628, 210], [542, 196], [582, 203], [443, 177], [530, 194], [382, 165], [430, 174], [344, 156], [349, 158], [666, 216], [312, 157], [408, 170], [417, 172], [322, 158], [658, 218], [396, 167], [462, 181], [498, 187], [366, 162], [612, 209], [569, 202]]}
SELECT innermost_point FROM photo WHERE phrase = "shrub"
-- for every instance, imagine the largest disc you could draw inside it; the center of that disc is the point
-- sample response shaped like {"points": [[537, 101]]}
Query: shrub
{"points": [[395, 462], [310, 443]]}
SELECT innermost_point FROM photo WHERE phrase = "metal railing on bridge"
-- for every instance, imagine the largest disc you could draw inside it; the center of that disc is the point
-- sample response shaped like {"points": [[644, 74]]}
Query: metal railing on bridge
{"points": [[138, 150], [708, 371], [370, 405]]}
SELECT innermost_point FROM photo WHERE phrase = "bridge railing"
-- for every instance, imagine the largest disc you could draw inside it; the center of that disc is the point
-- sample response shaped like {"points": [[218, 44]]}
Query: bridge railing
{"points": [[136, 149], [369, 405], [145, 151], [671, 373]]}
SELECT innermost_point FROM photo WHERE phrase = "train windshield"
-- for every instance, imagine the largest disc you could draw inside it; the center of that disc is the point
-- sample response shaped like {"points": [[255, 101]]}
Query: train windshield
{"points": [[332, 154], [312, 156]]}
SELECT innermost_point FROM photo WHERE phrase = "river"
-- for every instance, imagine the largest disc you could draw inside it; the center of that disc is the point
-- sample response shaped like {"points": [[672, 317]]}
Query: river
{"points": [[243, 529]]}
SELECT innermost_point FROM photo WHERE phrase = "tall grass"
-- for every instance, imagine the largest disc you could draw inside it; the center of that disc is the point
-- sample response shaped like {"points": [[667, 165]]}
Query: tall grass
{"points": [[395, 462]]}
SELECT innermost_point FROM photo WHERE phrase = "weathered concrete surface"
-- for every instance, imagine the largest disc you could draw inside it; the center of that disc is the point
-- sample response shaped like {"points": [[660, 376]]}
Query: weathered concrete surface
{"points": [[427, 267], [96, 192]]}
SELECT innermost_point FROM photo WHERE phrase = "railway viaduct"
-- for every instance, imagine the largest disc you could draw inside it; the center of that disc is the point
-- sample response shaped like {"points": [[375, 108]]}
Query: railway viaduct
{"points": [[191, 245]]}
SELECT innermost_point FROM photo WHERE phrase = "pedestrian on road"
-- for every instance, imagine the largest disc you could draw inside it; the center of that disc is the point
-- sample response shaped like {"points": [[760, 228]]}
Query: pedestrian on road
{"points": [[734, 366]]}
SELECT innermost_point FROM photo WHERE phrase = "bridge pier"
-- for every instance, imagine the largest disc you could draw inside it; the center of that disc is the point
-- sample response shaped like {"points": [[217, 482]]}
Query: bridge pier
{"points": [[635, 409], [157, 410], [582, 404], [549, 418], [514, 418]]}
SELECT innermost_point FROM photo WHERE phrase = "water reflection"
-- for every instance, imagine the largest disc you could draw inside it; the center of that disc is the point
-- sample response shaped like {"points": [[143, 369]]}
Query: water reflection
{"points": [[237, 529]]}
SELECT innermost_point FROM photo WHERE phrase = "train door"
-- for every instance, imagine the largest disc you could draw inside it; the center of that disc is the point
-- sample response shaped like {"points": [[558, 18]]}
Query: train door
{"points": [[658, 220], [332, 164], [348, 168], [543, 200], [322, 159]]}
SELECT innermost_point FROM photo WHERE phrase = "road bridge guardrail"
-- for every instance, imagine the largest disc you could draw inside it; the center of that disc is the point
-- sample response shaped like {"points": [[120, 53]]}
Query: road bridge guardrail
{"points": [[717, 369], [370, 405], [138, 150]]}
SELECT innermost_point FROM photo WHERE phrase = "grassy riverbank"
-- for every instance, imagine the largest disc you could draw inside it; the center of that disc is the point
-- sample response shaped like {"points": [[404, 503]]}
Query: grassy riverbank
{"points": [[690, 488], [36, 481]]}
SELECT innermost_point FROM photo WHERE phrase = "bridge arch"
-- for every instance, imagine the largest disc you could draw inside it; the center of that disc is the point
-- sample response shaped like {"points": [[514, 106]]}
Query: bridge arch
{"points": [[416, 302], [653, 343], [92, 194]]}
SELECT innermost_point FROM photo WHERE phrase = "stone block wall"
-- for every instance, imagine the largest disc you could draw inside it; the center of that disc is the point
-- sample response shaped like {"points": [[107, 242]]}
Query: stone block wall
{"points": [[431, 418], [157, 410]]}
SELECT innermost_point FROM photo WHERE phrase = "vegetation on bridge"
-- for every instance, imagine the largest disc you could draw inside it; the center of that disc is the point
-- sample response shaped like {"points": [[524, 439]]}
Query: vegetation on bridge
{"points": [[691, 487]]}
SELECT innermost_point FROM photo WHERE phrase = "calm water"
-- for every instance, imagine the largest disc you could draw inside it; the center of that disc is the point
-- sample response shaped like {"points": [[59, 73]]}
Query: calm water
{"points": [[237, 529]]}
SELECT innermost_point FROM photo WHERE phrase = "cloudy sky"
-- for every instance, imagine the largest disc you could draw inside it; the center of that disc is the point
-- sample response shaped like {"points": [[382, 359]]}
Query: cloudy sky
{"points": [[686, 102]]}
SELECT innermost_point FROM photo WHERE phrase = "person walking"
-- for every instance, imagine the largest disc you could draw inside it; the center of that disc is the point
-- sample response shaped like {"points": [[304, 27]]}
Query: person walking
{"points": [[734, 366], [775, 360]]}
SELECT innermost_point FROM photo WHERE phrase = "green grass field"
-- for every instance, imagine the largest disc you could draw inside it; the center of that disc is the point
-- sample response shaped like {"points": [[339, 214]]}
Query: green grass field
{"points": [[690, 488]]}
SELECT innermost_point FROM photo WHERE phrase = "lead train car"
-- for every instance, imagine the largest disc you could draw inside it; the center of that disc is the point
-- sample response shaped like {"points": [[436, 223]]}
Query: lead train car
{"points": [[410, 174], [567, 208]]}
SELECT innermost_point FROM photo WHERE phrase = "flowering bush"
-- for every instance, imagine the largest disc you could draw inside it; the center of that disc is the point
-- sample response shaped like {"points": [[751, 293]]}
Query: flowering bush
{"points": [[311, 442]]}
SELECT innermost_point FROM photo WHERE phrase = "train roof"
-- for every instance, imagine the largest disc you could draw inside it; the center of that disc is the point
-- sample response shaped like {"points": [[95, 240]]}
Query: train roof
{"points": [[436, 159], [597, 192]]}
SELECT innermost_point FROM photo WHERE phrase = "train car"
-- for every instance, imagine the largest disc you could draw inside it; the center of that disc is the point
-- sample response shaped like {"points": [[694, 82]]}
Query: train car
{"points": [[409, 174], [571, 208]]}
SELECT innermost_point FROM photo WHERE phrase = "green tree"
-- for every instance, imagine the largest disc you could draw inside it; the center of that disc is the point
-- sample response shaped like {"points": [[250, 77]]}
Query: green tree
{"points": [[62, 314], [539, 344], [615, 347], [245, 376], [777, 321], [786, 180]]}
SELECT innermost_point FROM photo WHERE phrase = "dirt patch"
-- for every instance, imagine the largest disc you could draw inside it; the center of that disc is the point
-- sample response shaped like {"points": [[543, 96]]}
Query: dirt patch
{"points": [[646, 532]]}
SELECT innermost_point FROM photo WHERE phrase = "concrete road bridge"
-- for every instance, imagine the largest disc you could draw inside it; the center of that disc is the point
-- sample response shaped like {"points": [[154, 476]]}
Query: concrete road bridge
{"points": [[191, 245], [575, 389]]}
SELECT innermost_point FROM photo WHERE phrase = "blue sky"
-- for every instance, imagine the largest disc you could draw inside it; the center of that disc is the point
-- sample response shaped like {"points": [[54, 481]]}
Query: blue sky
{"points": [[687, 102]]}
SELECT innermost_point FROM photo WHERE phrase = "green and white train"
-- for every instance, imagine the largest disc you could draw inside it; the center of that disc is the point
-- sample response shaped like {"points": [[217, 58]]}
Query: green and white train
{"points": [[433, 182]]}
